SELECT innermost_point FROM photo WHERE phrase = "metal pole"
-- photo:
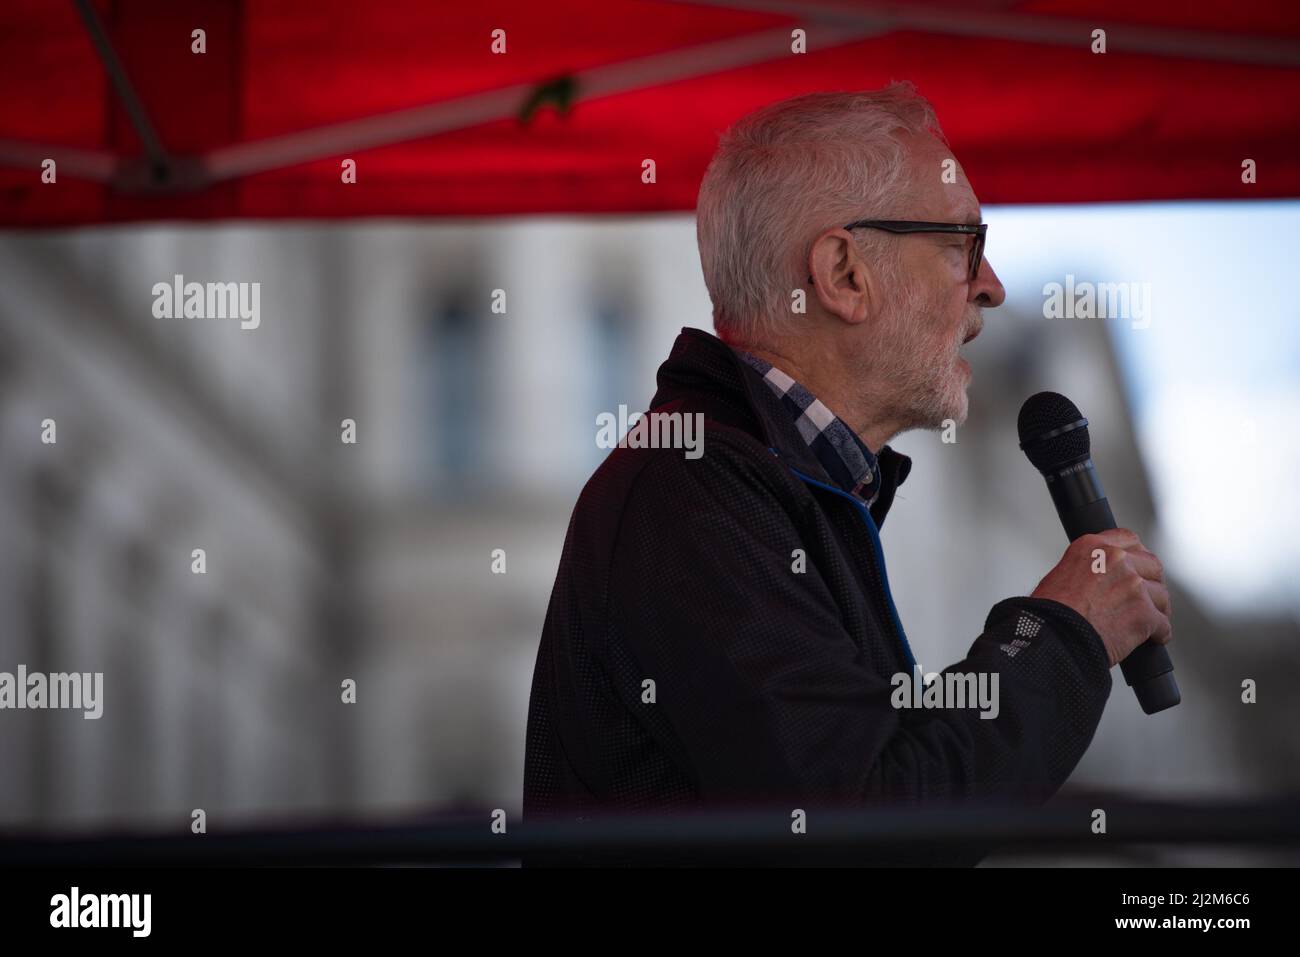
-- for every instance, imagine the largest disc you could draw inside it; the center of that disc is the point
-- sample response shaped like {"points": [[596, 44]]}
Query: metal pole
{"points": [[158, 158]]}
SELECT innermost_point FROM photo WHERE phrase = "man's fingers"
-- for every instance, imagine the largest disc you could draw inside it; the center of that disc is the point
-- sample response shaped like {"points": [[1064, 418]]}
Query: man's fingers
{"points": [[1119, 537], [1159, 629], [1159, 595], [1146, 564], [1162, 632]]}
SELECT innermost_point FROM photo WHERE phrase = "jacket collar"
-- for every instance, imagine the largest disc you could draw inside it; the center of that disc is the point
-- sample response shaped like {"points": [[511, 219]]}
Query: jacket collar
{"points": [[706, 374]]}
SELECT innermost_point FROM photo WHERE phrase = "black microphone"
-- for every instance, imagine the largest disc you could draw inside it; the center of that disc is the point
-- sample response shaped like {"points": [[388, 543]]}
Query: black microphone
{"points": [[1054, 436]]}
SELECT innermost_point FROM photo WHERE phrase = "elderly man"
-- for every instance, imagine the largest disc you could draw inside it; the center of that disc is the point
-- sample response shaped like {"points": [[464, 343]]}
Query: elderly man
{"points": [[721, 632]]}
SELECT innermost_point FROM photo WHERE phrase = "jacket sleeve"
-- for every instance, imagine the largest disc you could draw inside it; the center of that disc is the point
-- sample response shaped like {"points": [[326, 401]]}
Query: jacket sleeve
{"points": [[768, 693]]}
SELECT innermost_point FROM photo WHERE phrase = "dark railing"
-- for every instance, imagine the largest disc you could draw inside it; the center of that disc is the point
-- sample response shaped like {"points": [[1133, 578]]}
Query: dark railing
{"points": [[862, 836]]}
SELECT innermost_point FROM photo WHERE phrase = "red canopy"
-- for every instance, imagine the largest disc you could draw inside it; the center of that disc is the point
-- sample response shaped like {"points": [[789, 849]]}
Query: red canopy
{"points": [[256, 127]]}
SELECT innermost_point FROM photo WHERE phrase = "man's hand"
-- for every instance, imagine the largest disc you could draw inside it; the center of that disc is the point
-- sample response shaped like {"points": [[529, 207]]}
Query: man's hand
{"points": [[1127, 603]]}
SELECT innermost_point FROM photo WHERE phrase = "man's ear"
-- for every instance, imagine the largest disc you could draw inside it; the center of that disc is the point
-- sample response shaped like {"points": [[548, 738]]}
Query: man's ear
{"points": [[842, 282]]}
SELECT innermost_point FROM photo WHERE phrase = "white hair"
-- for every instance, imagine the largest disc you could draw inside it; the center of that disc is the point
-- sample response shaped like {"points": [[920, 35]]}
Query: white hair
{"points": [[784, 174]]}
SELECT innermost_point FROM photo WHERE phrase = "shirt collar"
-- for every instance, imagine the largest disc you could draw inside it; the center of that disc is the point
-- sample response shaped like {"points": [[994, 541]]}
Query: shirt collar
{"points": [[845, 457]]}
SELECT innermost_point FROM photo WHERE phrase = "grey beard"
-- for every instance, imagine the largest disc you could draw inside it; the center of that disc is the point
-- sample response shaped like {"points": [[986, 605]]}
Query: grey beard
{"points": [[925, 388]]}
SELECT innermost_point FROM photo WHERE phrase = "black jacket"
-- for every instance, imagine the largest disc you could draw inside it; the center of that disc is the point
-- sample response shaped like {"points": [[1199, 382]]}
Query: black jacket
{"points": [[770, 686]]}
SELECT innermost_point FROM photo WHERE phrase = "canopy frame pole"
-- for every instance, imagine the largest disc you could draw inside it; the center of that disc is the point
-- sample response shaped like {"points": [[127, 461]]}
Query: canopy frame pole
{"points": [[337, 139], [96, 165], [1038, 28], [160, 162]]}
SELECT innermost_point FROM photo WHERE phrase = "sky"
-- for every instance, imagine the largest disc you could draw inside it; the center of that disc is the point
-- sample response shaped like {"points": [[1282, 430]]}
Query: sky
{"points": [[1213, 381]]}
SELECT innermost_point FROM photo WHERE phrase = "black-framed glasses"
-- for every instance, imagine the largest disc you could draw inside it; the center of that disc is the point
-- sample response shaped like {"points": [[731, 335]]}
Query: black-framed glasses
{"points": [[909, 226]]}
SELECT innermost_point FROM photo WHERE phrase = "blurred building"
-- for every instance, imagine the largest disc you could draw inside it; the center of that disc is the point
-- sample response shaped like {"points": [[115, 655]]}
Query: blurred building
{"points": [[168, 439], [375, 561]]}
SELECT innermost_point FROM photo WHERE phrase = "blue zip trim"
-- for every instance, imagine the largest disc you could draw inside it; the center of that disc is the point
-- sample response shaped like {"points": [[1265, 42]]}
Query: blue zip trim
{"points": [[879, 551]]}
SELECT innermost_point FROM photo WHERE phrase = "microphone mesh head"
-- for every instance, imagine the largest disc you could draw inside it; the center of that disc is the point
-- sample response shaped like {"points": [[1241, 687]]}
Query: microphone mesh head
{"points": [[1046, 412]]}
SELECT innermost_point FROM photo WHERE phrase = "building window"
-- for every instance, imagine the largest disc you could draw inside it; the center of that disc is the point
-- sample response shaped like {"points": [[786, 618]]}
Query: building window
{"points": [[456, 367]]}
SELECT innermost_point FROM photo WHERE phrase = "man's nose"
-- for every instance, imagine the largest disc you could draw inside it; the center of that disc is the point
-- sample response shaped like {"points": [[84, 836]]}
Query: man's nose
{"points": [[987, 289]]}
